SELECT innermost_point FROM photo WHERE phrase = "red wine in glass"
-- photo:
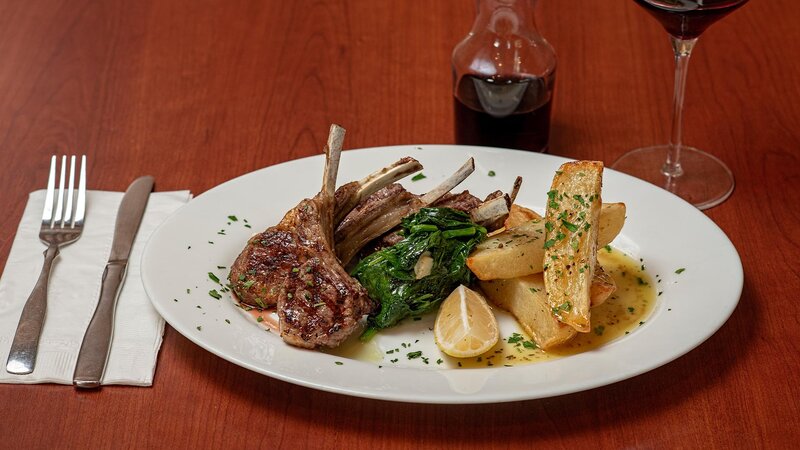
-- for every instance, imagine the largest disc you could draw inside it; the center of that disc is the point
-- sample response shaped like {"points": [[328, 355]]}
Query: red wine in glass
{"points": [[687, 19], [694, 175]]}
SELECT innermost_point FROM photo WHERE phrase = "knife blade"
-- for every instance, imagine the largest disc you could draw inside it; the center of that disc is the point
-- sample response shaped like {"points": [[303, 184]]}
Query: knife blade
{"points": [[96, 343]]}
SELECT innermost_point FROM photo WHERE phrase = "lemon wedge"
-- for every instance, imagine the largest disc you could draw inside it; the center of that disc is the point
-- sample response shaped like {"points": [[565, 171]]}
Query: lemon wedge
{"points": [[465, 325]]}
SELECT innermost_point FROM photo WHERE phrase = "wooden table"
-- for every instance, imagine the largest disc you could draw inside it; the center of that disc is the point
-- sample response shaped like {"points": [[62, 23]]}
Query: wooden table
{"points": [[196, 93]]}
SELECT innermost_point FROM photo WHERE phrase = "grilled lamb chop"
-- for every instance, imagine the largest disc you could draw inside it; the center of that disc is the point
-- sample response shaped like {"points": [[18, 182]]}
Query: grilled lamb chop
{"points": [[463, 201], [319, 304], [491, 213], [253, 273], [383, 210], [352, 193]]}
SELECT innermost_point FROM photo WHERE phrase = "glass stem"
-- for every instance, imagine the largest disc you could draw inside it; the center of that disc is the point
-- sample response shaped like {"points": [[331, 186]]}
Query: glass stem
{"points": [[683, 50]]}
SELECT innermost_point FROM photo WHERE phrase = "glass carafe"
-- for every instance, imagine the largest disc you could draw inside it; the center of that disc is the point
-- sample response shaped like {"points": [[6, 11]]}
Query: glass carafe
{"points": [[503, 79]]}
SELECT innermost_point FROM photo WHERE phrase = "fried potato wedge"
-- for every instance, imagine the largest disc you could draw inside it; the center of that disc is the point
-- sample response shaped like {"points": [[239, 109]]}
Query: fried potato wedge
{"points": [[612, 219], [524, 297], [603, 286], [572, 222], [519, 250], [513, 253], [519, 215]]}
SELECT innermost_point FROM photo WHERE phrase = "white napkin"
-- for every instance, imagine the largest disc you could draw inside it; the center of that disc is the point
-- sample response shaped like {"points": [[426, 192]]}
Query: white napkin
{"points": [[75, 289]]}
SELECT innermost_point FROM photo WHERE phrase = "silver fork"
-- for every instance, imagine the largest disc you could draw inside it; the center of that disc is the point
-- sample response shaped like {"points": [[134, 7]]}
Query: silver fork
{"points": [[58, 229]]}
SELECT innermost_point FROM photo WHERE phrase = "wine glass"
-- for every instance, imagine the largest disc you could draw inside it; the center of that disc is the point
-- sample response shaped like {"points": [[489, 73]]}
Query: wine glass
{"points": [[692, 174]]}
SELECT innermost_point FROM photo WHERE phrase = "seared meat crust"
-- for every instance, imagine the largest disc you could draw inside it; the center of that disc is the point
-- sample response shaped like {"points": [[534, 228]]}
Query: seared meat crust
{"points": [[292, 266]]}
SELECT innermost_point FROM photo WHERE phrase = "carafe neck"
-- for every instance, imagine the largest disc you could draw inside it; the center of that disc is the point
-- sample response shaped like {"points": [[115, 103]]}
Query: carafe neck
{"points": [[505, 17]]}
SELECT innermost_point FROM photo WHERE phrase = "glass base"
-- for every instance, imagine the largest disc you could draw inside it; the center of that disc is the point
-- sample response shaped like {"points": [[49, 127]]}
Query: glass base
{"points": [[705, 182]]}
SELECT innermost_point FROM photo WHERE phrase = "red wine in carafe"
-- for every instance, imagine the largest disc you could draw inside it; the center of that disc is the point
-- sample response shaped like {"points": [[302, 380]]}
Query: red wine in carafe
{"points": [[511, 112], [687, 19]]}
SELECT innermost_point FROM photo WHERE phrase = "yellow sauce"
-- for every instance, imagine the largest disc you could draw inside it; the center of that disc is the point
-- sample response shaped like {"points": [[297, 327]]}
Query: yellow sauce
{"points": [[627, 309]]}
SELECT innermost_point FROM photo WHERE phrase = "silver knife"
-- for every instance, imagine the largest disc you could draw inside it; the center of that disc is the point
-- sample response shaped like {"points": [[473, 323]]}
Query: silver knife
{"points": [[97, 340]]}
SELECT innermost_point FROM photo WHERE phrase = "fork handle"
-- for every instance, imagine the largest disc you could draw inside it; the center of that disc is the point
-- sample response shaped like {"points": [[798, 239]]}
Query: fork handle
{"points": [[22, 356]]}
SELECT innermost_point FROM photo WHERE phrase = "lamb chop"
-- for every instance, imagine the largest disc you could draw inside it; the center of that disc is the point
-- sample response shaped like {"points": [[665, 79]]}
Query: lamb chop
{"points": [[371, 226], [253, 274], [383, 210], [352, 193], [319, 304]]}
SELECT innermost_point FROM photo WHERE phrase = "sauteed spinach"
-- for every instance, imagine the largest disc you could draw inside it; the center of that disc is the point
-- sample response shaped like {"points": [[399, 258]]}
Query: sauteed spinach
{"points": [[445, 235]]}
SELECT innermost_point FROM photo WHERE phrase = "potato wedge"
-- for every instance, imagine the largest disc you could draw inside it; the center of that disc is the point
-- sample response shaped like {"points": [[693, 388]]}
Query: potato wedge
{"points": [[519, 215], [524, 297], [612, 219], [519, 251], [513, 253], [603, 286], [572, 221]]}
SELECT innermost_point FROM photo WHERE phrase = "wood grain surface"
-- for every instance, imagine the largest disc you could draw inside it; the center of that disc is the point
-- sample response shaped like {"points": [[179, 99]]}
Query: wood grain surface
{"points": [[198, 92]]}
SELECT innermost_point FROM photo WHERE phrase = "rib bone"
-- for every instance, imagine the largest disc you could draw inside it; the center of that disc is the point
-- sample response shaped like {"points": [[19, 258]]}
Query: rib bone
{"points": [[492, 213], [351, 194]]}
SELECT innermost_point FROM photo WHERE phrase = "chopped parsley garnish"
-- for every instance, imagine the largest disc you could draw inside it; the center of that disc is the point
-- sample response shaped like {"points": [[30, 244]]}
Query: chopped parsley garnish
{"points": [[215, 294], [233, 218], [491, 173], [680, 271], [566, 306], [213, 277], [608, 248], [570, 226], [598, 330], [514, 338], [338, 363], [414, 355], [419, 176]]}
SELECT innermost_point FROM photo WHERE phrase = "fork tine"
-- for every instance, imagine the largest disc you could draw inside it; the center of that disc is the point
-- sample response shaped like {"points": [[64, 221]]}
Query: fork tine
{"points": [[80, 208], [47, 214], [70, 192], [60, 198]]}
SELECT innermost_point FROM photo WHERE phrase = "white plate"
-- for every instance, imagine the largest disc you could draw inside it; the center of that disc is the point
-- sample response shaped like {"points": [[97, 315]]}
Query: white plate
{"points": [[665, 231]]}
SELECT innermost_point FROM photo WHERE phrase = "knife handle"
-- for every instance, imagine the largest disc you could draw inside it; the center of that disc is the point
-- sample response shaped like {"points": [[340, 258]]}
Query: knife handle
{"points": [[96, 344]]}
